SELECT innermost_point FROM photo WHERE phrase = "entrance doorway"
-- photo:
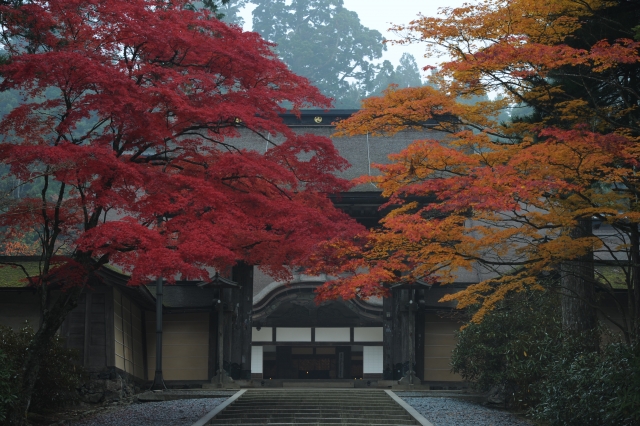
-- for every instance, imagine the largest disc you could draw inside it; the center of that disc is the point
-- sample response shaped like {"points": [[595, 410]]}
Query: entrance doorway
{"points": [[312, 362]]}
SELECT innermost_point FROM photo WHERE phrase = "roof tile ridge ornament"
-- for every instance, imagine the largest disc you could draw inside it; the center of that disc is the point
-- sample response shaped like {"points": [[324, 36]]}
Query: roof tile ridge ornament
{"points": [[415, 284], [219, 281]]}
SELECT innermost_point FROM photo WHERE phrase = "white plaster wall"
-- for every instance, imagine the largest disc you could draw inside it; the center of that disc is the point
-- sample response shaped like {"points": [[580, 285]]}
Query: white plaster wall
{"points": [[372, 362], [367, 334], [293, 334], [265, 334], [256, 359], [333, 334]]}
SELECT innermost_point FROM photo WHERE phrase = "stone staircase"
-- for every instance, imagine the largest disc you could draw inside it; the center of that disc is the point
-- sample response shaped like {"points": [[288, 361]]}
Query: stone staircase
{"points": [[313, 407]]}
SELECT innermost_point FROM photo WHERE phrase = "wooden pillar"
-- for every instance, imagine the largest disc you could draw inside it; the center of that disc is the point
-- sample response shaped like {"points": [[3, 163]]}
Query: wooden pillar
{"points": [[143, 329], [242, 307], [110, 332], [213, 341], [158, 380], [227, 338], [411, 344], [400, 353], [343, 354], [220, 338], [419, 332], [87, 328], [387, 337]]}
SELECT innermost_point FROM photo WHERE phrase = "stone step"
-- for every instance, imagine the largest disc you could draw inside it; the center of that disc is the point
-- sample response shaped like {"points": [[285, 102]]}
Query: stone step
{"points": [[297, 407], [316, 409], [364, 394], [320, 400], [321, 397], [326, 402], [314, 389], [313, 407], [328, 421], [298, 403], [317, 400], [351, 394], [338, 407], [320, 415], [295, 420], [357, 408], [318, 385], [318, 392], [274, 414], [355, 411], [314, 423]]}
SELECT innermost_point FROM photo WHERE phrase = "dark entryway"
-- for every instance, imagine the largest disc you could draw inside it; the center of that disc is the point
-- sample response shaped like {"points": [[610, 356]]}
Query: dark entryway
{"points": [[309, 362]]}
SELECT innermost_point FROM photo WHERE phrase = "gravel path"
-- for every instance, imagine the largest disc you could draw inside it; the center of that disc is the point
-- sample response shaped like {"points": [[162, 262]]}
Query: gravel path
{"points": [[456, 412], [182, 412]]}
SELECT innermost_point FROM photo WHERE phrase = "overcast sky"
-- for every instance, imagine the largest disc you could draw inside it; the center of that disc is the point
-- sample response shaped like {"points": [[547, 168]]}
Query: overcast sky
{"points": [[381, 14]]}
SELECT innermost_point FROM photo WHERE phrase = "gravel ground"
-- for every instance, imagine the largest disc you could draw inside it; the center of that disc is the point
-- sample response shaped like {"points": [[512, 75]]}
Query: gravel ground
{"points": [[182, 412], [456, 412]]}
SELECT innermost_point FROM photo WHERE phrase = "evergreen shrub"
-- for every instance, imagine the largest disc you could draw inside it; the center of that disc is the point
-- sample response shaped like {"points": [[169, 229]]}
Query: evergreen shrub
{"points": [[592, 388], [7, 394], [520, 348], [511, 347], [59, 377]]}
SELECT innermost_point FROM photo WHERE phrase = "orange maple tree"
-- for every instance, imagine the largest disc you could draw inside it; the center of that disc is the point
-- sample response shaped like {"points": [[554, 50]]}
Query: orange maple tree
{"points": [[513, 200]]}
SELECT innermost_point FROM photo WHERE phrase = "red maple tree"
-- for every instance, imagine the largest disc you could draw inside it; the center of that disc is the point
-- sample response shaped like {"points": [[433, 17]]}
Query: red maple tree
{"points": [[131, 115]]}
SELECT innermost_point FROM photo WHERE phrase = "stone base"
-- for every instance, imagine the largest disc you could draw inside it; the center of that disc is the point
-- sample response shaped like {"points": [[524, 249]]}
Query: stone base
{"points": [[406, 380], [226, 382], [108, 386], [318, 384], [231, 385]]}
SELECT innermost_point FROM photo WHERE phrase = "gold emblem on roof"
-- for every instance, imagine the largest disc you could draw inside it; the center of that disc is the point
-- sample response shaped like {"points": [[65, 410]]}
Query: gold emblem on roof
{"points": [[317, 119]]}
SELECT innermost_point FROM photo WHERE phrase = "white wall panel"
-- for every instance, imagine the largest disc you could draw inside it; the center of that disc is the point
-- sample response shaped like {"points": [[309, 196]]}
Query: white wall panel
{"points": [[293, 334], [265, 334], [367, 334], [333, 334], [372, 360], [256, 359]]}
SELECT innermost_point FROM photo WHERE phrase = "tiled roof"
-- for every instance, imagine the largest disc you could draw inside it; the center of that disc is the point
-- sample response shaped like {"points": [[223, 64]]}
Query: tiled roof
{"points": [[14, 277], [185, 295]]}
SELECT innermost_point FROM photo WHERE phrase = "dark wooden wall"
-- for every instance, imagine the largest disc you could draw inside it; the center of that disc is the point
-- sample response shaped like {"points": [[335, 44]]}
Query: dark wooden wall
{"points": [[19, 308], [87, 327]]}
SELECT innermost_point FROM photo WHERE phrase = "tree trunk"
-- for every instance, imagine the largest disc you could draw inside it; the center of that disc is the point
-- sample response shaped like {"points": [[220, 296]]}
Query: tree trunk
{"points": [[578, 290], [37, 350]]}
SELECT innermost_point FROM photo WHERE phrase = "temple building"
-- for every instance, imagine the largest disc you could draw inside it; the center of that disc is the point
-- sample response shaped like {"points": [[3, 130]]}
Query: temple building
{"points": [[264, 332]]}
